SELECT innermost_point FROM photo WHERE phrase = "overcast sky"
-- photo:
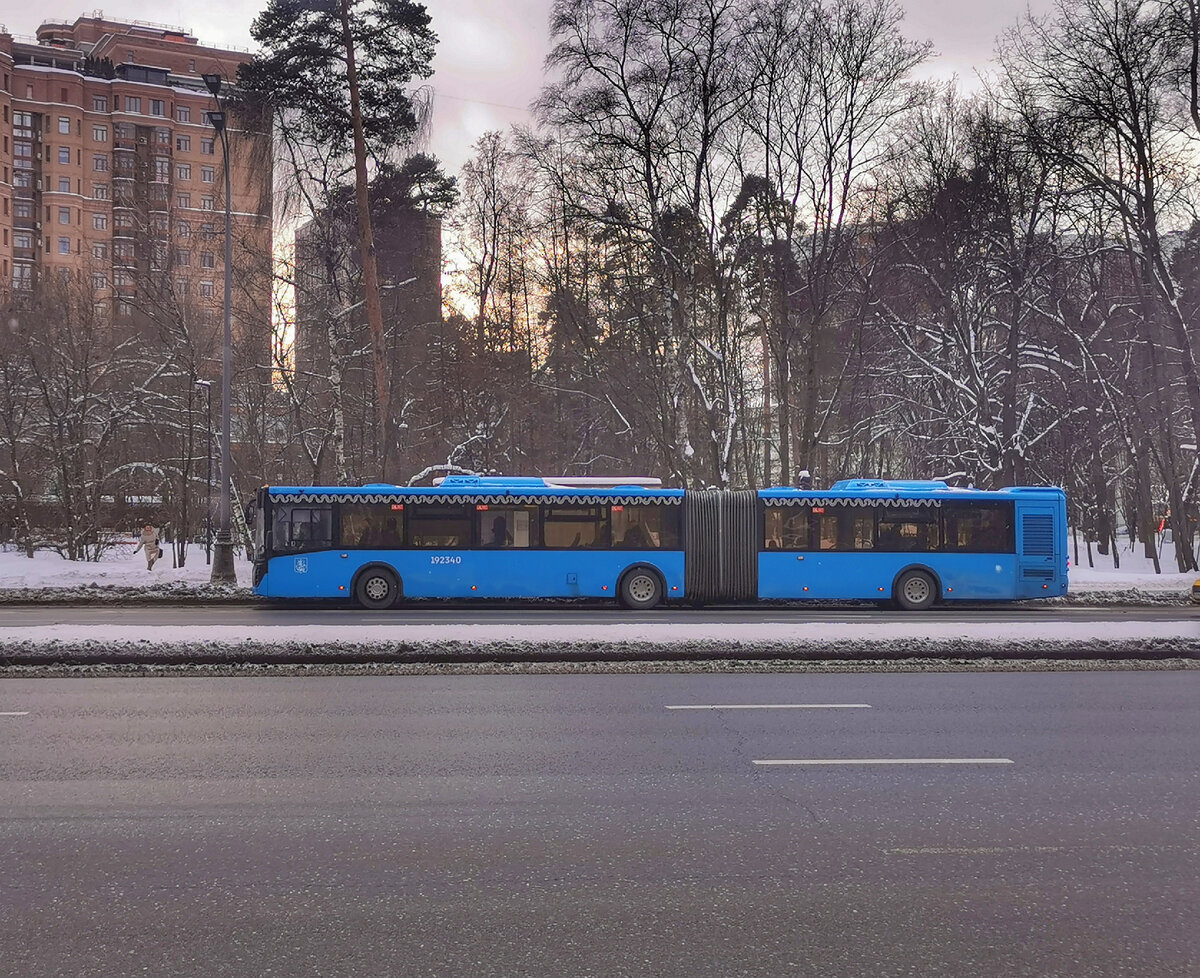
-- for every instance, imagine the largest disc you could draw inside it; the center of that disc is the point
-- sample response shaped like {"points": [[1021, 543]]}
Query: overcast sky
{"points": [[489, 58]]}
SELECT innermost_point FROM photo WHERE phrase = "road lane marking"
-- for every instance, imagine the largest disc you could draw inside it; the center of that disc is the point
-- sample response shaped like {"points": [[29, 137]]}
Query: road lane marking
{"points": [[775, 706], [830, 761], [22, 713]]}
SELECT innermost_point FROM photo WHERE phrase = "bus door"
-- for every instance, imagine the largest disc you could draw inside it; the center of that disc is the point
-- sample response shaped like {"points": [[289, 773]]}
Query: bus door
{"points": [[1038, 546]]}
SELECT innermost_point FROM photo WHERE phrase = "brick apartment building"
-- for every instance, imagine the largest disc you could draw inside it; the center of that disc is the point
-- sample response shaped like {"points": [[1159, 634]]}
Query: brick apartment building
{"points": [[111, 176]]}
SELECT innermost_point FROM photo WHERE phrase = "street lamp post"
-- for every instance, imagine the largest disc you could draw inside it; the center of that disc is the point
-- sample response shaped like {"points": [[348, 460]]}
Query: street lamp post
{"points": [[223, 571], [207, 385]]}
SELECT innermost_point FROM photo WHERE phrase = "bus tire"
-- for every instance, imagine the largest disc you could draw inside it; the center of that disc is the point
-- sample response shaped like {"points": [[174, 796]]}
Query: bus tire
{"points": [[377, 588], [640, 589], [915, 590]]}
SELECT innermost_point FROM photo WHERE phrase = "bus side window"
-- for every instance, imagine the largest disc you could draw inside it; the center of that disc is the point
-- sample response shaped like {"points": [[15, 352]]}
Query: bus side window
{"points": [[789, 528], [303, 528], [984, 528], [651, 526]]}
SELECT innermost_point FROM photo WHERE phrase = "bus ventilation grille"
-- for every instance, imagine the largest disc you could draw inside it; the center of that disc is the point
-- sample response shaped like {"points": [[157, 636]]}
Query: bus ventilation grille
{"points": [[721, 540], [1037, 573], [1038, 534]]}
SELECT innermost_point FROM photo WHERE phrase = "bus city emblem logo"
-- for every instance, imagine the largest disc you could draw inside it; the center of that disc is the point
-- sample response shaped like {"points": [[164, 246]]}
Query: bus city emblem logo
{"points": [[301, 565]]}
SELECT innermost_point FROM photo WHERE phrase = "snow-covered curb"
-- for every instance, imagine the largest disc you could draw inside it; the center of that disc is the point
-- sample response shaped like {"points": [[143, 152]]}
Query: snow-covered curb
{"points": [[169, 592], [184, 593], [1121, 643]]}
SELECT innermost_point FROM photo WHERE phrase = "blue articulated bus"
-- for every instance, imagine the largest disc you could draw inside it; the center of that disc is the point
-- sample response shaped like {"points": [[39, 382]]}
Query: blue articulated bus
{"points": [[913, 544]]}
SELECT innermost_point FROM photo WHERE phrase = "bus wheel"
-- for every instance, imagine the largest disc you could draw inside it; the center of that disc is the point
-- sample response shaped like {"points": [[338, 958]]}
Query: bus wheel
{"points": [[915, 591], [377, 588], [640, 589]]}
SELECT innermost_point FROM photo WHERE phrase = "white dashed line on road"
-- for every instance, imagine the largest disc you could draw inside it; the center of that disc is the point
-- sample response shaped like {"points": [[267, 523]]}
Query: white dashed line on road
{"points": [[21, 713], [775, 706], [831, 761]]}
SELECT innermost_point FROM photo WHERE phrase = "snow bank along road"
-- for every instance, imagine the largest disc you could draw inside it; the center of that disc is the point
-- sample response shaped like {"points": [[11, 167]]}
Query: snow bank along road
{"points": [[699, 826], [38, 636]]}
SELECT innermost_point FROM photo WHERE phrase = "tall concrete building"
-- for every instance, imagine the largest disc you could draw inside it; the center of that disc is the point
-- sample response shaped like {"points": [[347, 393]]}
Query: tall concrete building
{"points": [[112, 180]]}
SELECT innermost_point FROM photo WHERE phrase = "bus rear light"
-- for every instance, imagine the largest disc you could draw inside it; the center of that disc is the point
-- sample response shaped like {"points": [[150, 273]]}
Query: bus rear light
{"points": [[806, 589], [881, 589], [603, 587], [674, 588], [341, 587], [474, 588], [1045, 586], [949, 589]]}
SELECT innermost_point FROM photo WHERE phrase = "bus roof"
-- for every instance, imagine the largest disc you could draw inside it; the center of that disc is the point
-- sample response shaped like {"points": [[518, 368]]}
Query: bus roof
{"points": [[460, 488], [905, 489]]}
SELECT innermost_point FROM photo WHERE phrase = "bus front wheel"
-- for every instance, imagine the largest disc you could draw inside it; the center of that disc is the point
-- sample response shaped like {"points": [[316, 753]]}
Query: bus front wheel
{"points": [[377, 588], [915, 591], [641, 589]]}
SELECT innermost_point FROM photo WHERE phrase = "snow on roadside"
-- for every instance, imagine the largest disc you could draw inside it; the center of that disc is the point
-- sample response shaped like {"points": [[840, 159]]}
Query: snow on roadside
{"points": [[120, 570], [823, 633]]}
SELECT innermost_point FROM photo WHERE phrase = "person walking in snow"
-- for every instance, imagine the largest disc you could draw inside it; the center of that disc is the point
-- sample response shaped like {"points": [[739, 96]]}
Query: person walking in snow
{"points": [[150, 542]]}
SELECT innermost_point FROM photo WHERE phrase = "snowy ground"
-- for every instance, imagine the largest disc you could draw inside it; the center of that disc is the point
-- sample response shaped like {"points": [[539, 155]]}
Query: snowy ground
{"points": [[121, 567], [122, 573]]}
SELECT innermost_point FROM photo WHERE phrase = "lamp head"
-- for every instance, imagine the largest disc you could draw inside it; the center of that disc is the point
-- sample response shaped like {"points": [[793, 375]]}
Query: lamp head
{"points": [[213, 83], [217, 119]]}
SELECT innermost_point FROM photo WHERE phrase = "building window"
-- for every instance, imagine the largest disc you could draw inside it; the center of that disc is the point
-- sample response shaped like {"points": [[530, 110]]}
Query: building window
{"points": [[100, 134], [191, 67], [100, 222], [121, 277], [64, 215], [183, 171], [64, 126], [207, 203], [100, 164], [100, 191], [206, 290], [22, 239], [183, 258], [64, 154], [207, 147], [160, 223], [100, 251], [182, 288], [133, 103], [183, 229], [23, 277], [64, 246], [99, 103], [125, 309], [64, 185], [123, 220], [183, 113], [162, 168], [21, 178], [156, 106], [206, 260], [123, 249], [99, 280], [208, 174], [158, 192], [23, 210], [184, 200], [183, 144], [122, 130], [162, 136]]}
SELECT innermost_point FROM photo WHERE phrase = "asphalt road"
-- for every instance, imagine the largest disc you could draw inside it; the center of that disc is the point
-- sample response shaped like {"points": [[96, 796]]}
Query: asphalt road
{"points": [[571, 826], [482, 614]]}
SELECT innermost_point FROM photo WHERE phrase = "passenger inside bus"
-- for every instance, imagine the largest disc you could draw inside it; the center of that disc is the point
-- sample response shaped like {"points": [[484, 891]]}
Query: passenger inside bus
{"points": [[500, 535]]}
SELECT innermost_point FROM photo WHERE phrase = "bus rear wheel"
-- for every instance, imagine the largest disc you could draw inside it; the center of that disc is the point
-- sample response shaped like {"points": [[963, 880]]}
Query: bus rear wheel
{"points": [[640, 589], [376, 589], [915, 591]]}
